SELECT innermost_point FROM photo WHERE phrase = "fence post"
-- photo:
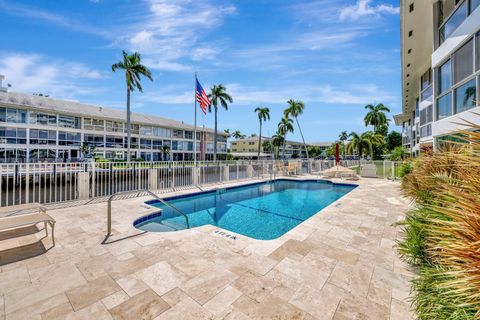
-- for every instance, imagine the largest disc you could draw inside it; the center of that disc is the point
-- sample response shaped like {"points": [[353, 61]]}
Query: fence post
{"points": [[393, 170], [83, 185], [384, 169], [173, 176], [92, 187]]}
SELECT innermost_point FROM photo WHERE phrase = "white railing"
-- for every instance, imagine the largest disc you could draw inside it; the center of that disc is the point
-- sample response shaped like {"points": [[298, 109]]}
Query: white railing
{"points": [[61, 182]]}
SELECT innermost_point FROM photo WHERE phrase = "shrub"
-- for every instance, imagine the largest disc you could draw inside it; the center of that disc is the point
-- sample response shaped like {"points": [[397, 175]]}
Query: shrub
{"points": [[441, 236]]}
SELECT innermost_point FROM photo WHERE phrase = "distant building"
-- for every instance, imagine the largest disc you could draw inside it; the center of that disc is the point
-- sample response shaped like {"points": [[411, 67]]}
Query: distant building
{"points": [[440, 70], [248, 148], [36, 128]]}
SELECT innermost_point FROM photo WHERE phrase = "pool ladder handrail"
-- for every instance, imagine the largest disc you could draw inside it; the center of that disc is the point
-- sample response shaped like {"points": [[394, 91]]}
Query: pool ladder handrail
{"points": [[138, 192]]}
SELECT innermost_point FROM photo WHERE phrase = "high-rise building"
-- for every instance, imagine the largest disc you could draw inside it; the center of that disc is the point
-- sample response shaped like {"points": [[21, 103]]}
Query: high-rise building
{"points": [[440, 70]]}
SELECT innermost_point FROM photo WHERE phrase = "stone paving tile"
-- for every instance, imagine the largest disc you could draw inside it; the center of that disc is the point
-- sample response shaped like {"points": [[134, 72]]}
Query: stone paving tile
{"points": [[338, 264], [186, 309], [145, 305], [270, 308], [92, 291], [320, 303]]}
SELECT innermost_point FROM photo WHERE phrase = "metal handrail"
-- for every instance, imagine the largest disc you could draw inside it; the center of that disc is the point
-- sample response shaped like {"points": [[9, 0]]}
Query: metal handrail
{"points": [[138, 192]]}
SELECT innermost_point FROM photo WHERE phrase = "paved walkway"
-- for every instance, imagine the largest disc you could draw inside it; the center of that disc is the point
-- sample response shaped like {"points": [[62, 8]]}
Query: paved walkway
{"points": [[339, 264]]}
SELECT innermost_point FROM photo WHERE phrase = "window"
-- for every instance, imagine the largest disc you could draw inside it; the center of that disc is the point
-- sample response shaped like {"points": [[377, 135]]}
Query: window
{"points": [[43, 137], [145, 144], [466, 96], [146, 131], [44, 119], [453, 21], [178, 133], [426, 115], [411, 7], [445, 77], [478, 51], [133, 143], [113, 126], [157, 144], [463, 62], [161, 132], [188, 134], [426, 85], [97, 141], [426, 131], [69, 122], [13, 115], [13, 135], [444, 106], [69, 138], [94, 124], [114, 142]]}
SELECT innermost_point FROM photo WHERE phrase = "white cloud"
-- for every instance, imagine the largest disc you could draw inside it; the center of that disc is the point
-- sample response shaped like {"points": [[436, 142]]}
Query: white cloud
{"points": [[19, 10], [171, 32], [363, 8], [36, 73]]}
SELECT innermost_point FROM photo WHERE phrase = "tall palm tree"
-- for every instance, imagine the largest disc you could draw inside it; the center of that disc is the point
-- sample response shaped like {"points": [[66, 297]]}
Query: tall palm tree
{"points": [[237, 135], [376, 115], [218, 95], [363, 142], [263, 115], [343, 136], [295, 108], [134, 69], [277, 142], [285, 126]]}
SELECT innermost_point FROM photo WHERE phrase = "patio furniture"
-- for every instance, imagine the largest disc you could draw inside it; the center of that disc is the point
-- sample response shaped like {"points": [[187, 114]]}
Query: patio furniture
{"points": [[292, 169], [368, 171], [15, 220]]}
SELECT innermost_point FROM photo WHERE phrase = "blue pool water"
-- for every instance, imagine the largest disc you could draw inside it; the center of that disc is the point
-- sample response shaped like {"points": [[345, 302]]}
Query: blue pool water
{"points": [[262, 211]]}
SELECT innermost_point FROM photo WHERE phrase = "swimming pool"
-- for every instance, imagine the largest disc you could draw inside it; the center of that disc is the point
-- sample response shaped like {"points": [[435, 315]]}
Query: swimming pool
{"points": [[262, 211]]}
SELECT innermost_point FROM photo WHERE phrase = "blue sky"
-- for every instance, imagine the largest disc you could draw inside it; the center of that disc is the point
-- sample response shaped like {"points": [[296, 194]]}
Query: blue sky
{"points": [[334, 55]]}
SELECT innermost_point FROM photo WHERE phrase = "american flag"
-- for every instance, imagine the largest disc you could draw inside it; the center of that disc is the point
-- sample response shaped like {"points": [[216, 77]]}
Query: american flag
{"points": [[202, 97]]}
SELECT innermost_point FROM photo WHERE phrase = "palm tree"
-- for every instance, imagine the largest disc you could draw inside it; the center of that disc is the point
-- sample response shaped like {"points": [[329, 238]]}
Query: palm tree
{"points": [[277, 141], [376, 115], [134, 69], [238, 135], [285, 126], [227, 132], [295, 109], [263, 115], [363, 143], [218, 95], [343, 137]]}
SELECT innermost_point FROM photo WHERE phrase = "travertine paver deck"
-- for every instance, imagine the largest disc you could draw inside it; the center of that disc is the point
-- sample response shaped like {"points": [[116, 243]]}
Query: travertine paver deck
{"points": [[339, 264]]}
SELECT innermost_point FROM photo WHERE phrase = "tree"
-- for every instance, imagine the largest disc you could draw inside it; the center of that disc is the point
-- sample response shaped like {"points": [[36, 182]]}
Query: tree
{"points": [[285, 126], [399, 153], [277, 141], [393, 140], [87, 150], [227, 132], [376, 115], [263, 115], [295, 109], [218, 95], [314, 151], [134, 69], [363, 143], [165, 151], [343, 136], [267, 146], [238, 135]]}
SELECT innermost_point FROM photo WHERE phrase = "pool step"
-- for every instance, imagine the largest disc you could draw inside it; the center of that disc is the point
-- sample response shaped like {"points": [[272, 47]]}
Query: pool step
{"points": [[172, 226]]}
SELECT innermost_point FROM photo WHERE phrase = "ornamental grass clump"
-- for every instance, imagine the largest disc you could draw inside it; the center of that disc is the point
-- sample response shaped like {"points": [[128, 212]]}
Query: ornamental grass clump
{"points": [[441, 236]]}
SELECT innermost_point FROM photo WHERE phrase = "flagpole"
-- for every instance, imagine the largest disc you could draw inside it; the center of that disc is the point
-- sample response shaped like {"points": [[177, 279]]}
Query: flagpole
{"points": [[195, 125]]}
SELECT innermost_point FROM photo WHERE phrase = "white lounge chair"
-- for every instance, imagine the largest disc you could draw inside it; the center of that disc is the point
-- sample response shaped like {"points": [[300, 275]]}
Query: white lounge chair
{"points": [[20, 220]]}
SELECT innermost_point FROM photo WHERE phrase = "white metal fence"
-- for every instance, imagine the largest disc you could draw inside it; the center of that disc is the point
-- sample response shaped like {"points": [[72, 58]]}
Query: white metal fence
{"points": [[60, 182]]}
